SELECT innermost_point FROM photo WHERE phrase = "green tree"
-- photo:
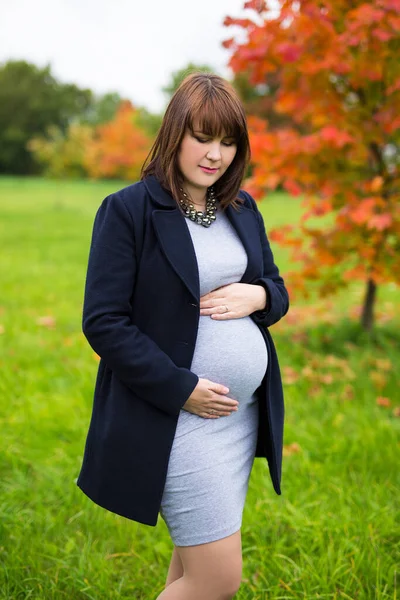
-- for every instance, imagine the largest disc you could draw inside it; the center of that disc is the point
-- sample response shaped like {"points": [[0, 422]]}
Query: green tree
{"points": [[102, 109], [31, 100], [148, 121], [178, 76]]}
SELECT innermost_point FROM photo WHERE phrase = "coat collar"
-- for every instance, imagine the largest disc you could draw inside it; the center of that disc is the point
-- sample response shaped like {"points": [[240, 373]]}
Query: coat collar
{"points": [[158, 194], [176, 242]]}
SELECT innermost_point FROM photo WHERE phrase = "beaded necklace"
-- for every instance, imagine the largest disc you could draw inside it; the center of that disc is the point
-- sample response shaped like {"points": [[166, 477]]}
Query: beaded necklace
{"points": [[205, 218]]}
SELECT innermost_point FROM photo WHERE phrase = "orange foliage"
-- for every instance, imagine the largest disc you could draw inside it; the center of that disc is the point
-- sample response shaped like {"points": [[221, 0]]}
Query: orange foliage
{"points": [[119, 147], [338, 71]]}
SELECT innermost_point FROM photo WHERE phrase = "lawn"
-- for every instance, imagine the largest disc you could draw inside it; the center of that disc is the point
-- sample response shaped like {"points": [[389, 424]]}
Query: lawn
{"points": [[335, 531]]}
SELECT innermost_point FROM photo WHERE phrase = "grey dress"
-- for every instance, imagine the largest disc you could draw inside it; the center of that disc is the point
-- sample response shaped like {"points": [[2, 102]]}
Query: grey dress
{"points": [[211, 459]]}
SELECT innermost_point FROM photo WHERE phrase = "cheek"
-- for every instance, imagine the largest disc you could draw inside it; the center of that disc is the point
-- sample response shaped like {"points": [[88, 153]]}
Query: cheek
{"points": [[230, 155], [189, 153]]}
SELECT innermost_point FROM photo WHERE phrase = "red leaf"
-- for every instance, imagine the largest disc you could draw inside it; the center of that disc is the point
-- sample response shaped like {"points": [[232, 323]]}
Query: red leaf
{"points": [[257, 5], [380, 222], [228, 43], [382, 35], [395, 87], [289, 52], [393, 5], [330, 133], [292, 187], [382, 401]]}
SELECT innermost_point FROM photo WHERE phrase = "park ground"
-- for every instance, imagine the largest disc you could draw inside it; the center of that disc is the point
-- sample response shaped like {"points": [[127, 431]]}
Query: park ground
{"points": [[334, 533]]}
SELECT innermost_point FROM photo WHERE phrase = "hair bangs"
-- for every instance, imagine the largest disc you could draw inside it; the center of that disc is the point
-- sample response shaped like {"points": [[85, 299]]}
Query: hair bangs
{"points": [[214, 117]]}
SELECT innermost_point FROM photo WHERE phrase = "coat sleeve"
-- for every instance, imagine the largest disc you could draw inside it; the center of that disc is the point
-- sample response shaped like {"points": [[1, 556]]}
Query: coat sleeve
{"points": [[277, 295], [133, 357]]}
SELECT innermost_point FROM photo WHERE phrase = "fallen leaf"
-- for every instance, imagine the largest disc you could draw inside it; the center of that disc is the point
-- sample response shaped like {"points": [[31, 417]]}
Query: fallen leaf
{"points": [[327, 378], [299, 336], [348, 392], [292, 448], [290, 375], [308, 372], [384, 363], [382, 401], [378, 378], [46, 321]]}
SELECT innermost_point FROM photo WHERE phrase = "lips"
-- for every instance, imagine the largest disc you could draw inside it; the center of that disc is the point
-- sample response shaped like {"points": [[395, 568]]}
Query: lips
{"points": [[208, 169]]}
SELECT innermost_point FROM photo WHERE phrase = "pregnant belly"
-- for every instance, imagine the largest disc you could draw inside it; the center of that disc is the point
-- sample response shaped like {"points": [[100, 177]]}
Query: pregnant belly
{"points": [[231, 352]]}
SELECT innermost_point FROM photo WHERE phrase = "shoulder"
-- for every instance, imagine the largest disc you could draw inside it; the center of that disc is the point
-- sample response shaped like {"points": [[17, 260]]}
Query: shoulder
{"points": [[132, 197], [127, 205]]}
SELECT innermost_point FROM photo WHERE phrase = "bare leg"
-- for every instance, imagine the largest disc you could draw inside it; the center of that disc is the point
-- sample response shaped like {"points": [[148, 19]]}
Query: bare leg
{"points": [[175, 570], [212, 571]]}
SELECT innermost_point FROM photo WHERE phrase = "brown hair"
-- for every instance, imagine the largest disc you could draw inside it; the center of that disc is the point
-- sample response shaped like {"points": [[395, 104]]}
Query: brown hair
{"points": [[214, 103]]}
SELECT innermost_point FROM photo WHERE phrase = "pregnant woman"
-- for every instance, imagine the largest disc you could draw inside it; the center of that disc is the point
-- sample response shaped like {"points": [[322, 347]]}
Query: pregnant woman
{"points": [[180, 291]]}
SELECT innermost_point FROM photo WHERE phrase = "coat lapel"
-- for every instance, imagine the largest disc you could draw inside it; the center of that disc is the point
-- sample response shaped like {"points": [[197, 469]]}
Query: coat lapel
{"points": [[177, 245], [176, 242]]}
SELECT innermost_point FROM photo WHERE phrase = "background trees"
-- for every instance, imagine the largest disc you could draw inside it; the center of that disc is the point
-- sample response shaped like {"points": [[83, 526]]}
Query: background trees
{"points": [[337, 73], [118, 148], [31, 100]]}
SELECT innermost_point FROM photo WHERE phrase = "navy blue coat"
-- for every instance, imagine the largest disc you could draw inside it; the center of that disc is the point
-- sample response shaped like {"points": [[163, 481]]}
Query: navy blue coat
{"points": [[140, 315]]}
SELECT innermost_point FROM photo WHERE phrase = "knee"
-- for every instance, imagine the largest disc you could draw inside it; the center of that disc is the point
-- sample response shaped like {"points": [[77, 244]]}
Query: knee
{"points": [[230, 582]]}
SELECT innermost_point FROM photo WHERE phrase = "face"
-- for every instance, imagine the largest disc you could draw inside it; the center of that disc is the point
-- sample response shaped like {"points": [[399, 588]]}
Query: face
{"points": [[201, 150]]}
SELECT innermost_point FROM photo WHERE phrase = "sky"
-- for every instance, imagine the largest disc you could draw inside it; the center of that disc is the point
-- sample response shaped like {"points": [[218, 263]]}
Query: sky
{"points": [[125, 46]]}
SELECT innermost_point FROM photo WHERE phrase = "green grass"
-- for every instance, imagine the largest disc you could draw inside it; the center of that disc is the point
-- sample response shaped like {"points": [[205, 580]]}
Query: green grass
{"points": [[335, 531]]}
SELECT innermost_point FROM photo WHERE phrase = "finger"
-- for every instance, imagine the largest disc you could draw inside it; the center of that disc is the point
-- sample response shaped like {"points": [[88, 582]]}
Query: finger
{"points": [[218, 388], [207, 311], [224, 406], [223, 316], [223, 410], [214, 412], [211, 302], [219, 310], [225, 413], [223, 402]]}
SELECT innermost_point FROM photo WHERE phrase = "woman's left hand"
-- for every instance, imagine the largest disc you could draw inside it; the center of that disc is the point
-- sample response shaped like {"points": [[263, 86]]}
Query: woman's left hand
{"points": [[241, 299]]}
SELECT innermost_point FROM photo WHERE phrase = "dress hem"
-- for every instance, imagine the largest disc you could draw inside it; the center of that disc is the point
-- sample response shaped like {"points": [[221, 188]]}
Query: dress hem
{"points": [[213, 537]]}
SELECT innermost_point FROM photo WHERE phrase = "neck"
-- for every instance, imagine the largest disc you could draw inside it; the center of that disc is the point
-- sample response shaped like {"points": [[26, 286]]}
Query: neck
{"points": [[199, 200]]}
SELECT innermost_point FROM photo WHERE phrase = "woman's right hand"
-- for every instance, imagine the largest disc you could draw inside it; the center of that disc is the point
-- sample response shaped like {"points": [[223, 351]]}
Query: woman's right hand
{"points": [[207, 397]]}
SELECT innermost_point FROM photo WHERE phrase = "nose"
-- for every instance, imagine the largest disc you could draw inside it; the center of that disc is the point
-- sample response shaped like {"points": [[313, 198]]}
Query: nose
{"points": [[214, 152]]}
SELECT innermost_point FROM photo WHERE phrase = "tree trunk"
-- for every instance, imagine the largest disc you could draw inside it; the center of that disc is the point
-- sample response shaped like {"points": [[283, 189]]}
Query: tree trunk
{"points": [[367, 316]]}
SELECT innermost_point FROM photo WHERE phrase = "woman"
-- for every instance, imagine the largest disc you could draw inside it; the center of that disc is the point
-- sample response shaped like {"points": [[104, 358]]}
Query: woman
{"points": [[180, 291]]}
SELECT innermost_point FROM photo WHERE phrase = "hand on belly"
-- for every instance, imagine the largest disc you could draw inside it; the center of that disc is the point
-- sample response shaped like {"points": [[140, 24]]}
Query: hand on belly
{"points": [[232, 353]]}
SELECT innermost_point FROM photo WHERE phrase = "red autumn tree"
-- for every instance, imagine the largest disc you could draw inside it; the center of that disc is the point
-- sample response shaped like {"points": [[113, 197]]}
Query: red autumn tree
{"points": [[338, 66], [119, 147]]}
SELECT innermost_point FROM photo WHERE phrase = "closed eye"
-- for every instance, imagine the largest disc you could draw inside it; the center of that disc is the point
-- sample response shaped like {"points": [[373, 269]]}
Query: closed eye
{"points": [[205, 141]]}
